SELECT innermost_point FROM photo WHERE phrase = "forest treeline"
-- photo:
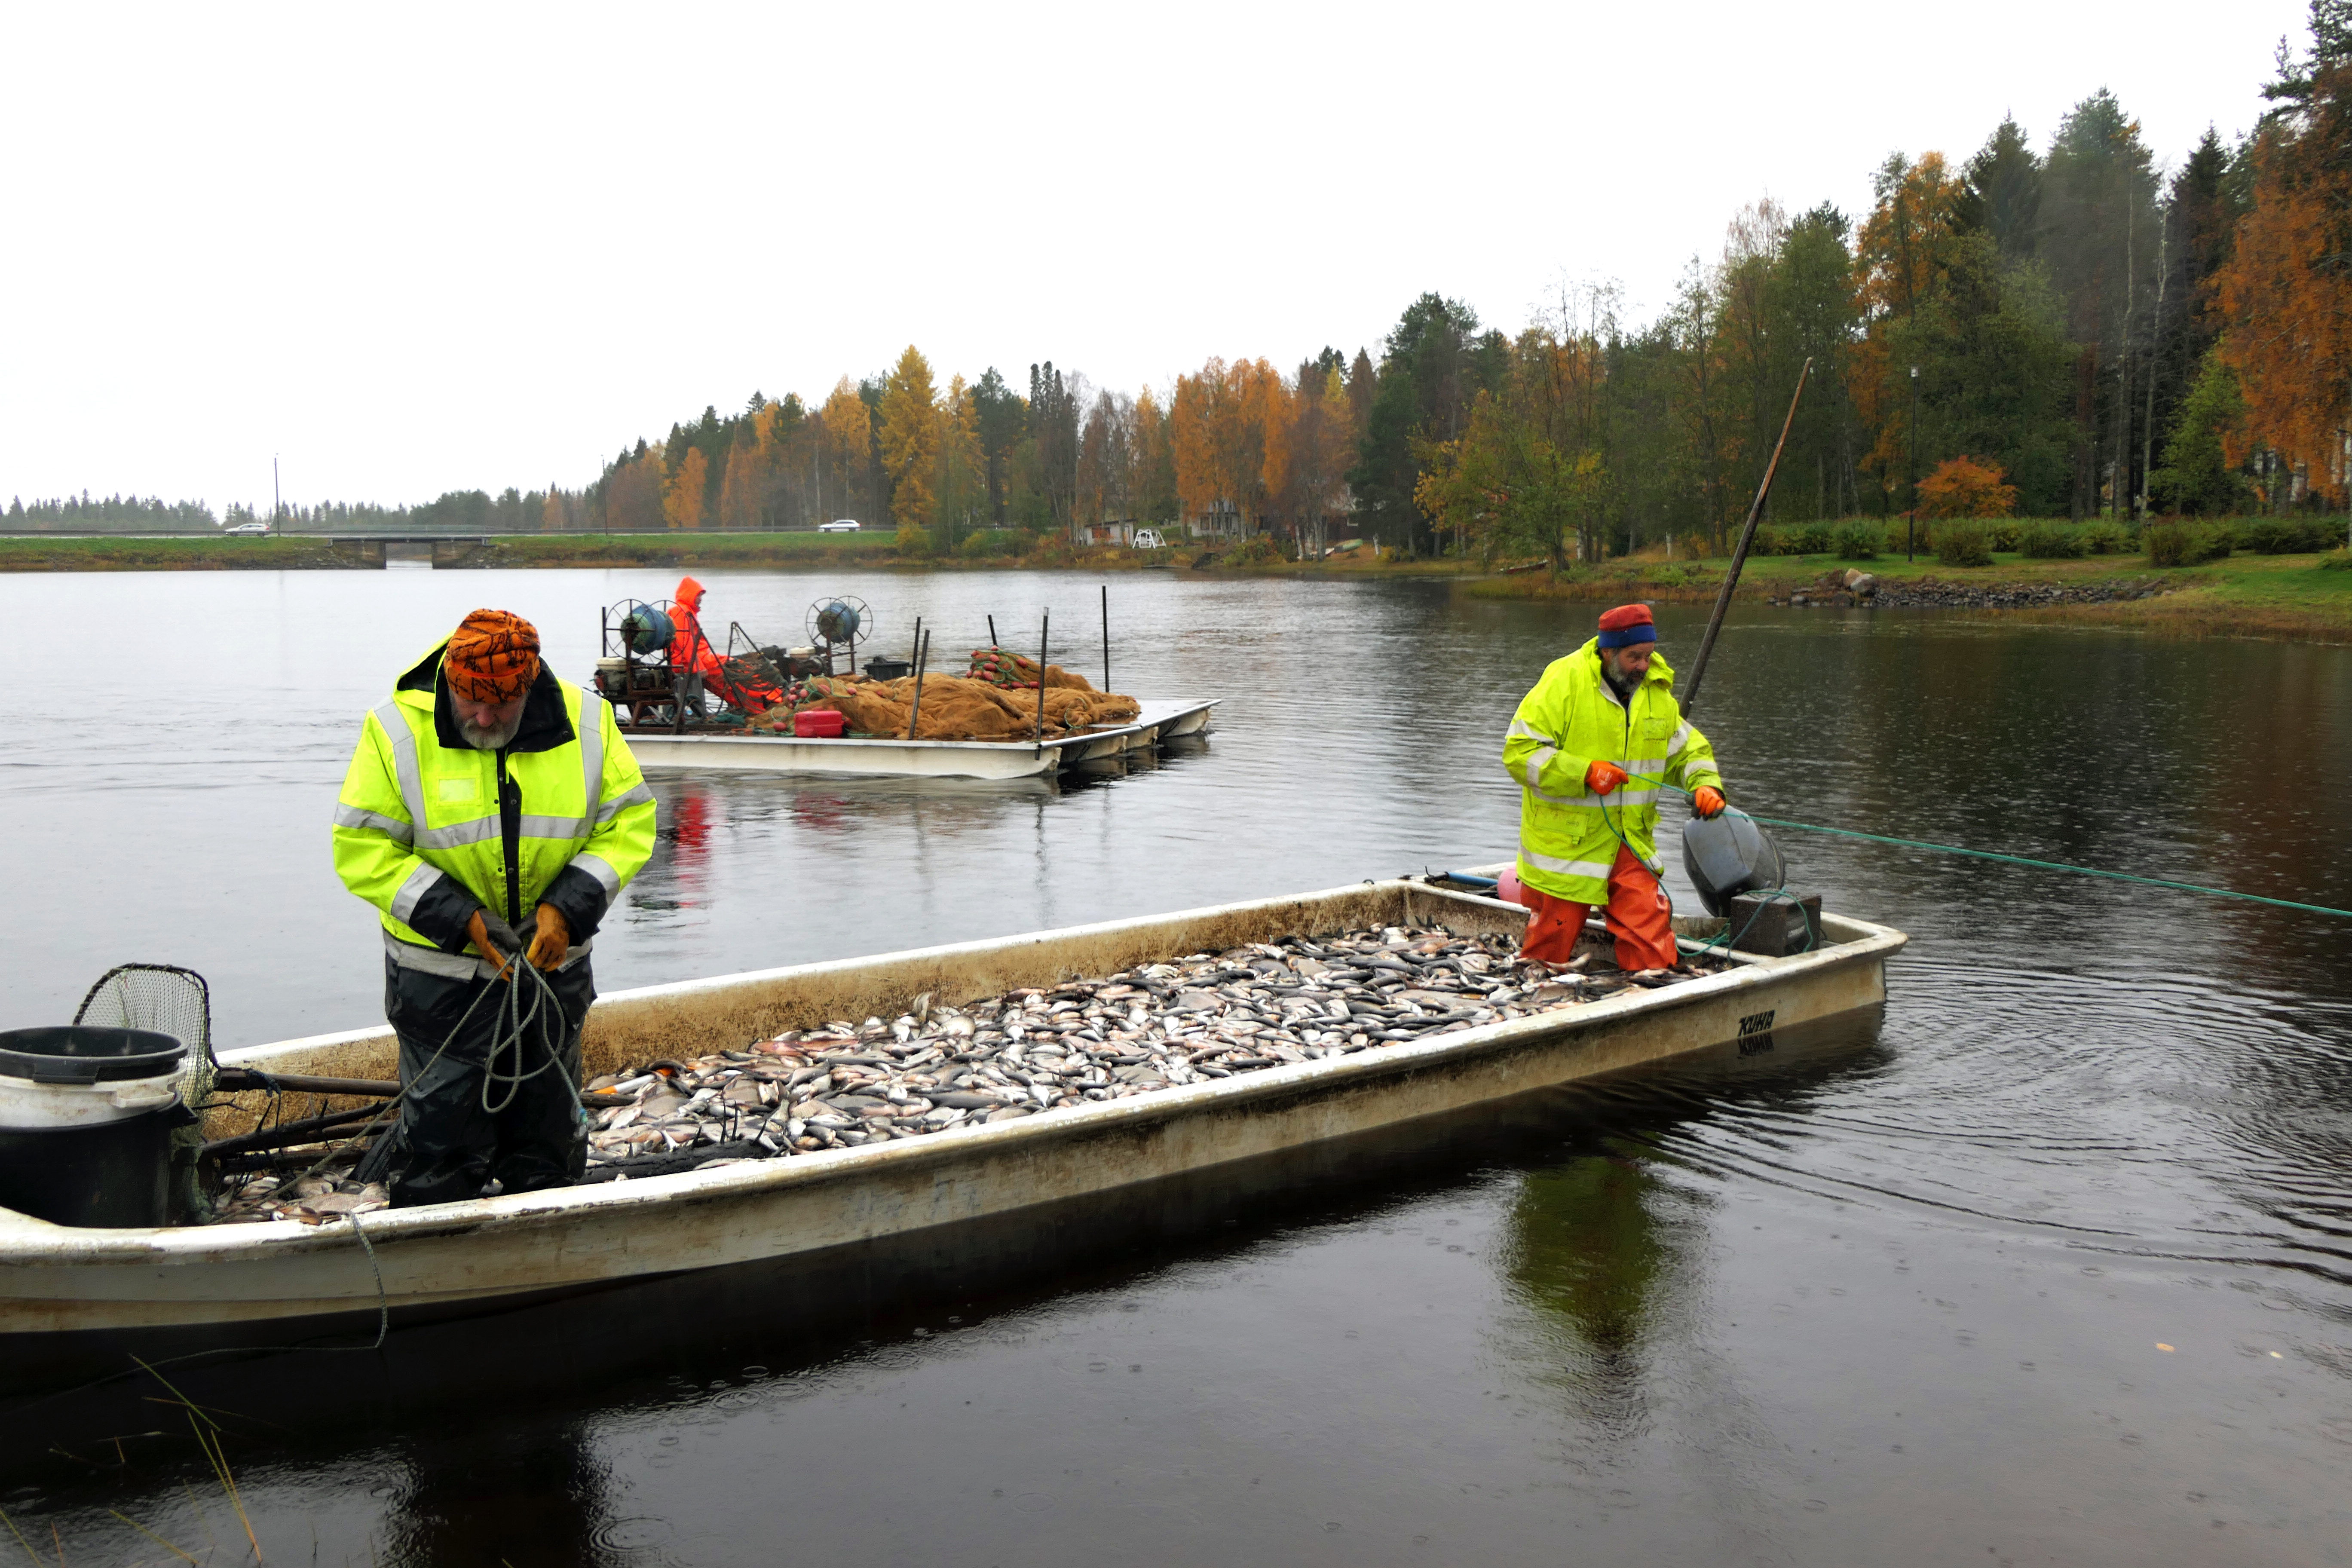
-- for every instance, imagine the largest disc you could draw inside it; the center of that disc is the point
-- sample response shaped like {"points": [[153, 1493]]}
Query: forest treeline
{"points": [[2102, 332]]}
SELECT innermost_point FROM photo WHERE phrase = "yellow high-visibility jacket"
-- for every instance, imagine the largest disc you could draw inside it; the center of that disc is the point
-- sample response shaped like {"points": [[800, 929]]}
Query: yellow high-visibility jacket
{"points": [[428, 830], [1569, 837]]}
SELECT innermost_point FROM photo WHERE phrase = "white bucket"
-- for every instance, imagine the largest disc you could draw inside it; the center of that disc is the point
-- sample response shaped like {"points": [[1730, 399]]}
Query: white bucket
{"points": [[77, 1076], [26, 1105]]}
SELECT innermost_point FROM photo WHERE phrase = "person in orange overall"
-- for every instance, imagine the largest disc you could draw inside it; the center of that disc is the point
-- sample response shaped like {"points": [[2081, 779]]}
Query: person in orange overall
{"points": [[690, 649], [1591, 748]]}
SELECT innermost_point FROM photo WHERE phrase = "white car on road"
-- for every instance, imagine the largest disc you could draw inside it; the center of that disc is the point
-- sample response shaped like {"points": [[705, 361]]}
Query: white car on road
{"points": [[838, 525], [248, 528]]}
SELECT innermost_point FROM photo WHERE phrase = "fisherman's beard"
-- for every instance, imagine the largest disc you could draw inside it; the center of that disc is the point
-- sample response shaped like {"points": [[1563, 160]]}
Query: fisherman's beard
{"points": [[487, 737]]}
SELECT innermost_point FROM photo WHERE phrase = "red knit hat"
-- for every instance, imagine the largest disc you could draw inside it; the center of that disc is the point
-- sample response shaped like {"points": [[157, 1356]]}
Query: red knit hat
{"points": [[1627, 623]]}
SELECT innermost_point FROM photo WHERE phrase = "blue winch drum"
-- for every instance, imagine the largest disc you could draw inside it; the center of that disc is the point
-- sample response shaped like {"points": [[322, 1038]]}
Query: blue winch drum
{"points": [[646, 630]]}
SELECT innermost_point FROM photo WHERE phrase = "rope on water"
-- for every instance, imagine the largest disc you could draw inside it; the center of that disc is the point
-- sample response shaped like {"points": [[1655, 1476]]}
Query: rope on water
{"points": [[2009, 859], [2054, 865]]}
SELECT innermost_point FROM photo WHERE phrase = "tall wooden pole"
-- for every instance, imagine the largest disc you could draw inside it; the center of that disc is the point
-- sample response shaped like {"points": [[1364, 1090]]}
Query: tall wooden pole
{"points": [[1045, 630], [1739, 550]]}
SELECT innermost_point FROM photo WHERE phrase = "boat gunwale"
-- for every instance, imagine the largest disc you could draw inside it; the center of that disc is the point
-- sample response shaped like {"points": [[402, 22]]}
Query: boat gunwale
{"points": [[37, 1242]]}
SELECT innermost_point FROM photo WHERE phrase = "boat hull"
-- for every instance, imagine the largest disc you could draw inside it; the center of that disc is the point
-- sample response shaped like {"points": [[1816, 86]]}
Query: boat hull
{"points": [[1159, 720], [448, 1257]]}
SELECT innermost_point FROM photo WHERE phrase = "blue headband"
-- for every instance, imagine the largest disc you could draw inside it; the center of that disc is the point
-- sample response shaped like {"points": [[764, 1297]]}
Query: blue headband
{"points": [[1641, 631]]}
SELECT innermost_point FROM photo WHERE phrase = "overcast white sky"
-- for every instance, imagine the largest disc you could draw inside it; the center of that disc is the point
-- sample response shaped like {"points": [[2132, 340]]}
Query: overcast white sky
{"points": [[418, 248]]}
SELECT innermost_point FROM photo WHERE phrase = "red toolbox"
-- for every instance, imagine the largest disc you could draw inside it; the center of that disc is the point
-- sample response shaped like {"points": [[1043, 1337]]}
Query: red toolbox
{"points": [[819, 724]]}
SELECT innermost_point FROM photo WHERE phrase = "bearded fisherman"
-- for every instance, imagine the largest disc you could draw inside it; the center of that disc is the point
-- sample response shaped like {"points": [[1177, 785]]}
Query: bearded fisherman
{"points": [[1589, 748], [492, 812]]}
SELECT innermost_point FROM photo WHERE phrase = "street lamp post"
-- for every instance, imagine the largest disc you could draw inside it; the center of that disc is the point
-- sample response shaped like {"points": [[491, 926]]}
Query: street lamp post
{"points": [[1911, 526]]}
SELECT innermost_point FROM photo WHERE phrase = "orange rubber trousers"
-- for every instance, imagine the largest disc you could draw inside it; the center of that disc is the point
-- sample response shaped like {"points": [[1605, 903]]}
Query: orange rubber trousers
{"points": [[1638, 916]]}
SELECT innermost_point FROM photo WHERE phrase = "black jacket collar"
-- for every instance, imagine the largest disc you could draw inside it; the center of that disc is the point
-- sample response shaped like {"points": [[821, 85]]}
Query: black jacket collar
{"points": [[545, 725]]}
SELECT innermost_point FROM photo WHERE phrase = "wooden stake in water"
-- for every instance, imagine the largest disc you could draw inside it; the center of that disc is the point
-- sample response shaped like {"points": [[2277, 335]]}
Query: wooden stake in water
{"points": [[1739, 552], [1106, 636]]}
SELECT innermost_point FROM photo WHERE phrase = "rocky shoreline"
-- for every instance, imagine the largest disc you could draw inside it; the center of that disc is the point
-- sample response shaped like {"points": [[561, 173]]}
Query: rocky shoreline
{"points": [[1857, 588]]}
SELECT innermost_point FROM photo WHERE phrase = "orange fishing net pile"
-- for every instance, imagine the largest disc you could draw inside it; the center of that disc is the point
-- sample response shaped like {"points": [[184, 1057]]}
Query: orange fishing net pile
{"points": [[999, 667], [953, 707]]}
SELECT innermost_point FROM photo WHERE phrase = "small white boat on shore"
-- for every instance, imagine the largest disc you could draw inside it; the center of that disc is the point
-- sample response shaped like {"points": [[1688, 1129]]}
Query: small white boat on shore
{"points": [[1162, 719], [233, 1281]]}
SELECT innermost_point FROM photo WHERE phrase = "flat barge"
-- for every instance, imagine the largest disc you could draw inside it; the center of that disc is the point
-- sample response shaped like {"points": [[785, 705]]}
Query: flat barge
{"points": [[658, 750]]}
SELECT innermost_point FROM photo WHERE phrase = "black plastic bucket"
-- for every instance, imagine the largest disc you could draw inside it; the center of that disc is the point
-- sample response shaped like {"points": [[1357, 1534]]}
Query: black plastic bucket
{"points": [[85, 1053], [106, 1174]]}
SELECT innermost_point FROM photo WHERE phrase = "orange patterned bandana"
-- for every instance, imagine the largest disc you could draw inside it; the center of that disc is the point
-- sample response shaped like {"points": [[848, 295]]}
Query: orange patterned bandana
{"points": [[493, 656]]}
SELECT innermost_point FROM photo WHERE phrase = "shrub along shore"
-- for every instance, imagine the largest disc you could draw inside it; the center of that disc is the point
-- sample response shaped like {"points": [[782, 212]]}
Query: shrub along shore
{"points": [[2282, 578]]}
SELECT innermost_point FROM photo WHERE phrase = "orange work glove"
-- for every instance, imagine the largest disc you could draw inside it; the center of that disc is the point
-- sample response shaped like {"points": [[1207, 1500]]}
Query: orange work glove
{"points": [[1708, 801], [553, 938], [493, 938], [1604, 778]]}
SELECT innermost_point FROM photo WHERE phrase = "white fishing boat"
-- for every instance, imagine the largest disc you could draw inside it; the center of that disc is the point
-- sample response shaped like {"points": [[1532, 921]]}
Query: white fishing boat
{"points": [[1160, 719], [806, 1213]]}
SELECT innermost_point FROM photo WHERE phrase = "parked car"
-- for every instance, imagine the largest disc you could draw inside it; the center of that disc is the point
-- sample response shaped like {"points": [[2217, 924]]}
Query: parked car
{"points": [[838, 525], [248, 528], [1148, 538]]}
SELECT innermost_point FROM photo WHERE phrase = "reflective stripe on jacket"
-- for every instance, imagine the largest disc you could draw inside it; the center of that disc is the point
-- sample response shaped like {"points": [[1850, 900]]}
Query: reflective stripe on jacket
{"points": [[428, 830], [1569, 837]]}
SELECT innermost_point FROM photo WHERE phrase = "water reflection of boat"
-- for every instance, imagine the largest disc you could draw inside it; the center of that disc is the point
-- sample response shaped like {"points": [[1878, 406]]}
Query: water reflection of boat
{"points": [[814, 1215]]}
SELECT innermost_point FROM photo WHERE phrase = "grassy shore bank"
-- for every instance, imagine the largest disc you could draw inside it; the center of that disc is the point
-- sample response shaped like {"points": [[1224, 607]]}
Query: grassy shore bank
{"points": [[314, 553], [2293, 597]]}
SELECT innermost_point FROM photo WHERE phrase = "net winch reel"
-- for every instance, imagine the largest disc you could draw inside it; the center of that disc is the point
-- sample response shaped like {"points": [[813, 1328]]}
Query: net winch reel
{"points": [[839, 622], [636, 672]]}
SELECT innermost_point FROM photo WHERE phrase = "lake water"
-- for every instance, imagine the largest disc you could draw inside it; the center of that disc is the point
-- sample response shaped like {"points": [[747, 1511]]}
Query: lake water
{"points": [[2052, 1262]]}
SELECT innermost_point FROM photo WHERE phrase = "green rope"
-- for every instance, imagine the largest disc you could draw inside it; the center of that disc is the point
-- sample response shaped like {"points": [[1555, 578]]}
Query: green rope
{"points": [[2053, 866], [2014, 859]]}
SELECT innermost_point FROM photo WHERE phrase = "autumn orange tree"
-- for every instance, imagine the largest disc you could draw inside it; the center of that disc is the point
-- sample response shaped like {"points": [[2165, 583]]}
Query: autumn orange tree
{"points": [[1963, 487], [682, 497], [910, 441], [845, 451], [1901, 256], [2286, 291]]}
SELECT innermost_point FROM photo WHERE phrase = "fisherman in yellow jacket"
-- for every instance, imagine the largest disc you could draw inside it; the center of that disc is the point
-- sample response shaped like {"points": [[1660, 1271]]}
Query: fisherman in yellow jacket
{"points": [[492, 813], [1600, 720]]}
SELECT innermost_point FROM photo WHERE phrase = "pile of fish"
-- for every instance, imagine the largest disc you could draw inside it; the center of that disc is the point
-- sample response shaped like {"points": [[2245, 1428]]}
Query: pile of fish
{"points": [[1208, 1016], [305, 1199]]}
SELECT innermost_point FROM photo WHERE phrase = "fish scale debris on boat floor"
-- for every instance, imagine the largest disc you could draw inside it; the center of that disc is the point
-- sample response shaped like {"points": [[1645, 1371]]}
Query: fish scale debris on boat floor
{"points": [[1038, 1049]]}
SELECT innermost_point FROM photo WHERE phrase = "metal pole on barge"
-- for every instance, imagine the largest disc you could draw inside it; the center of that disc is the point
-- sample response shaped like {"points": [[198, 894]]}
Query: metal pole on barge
{"points": [[1044, 627], [1106, 636], [922, 653], [1739, 552]]}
